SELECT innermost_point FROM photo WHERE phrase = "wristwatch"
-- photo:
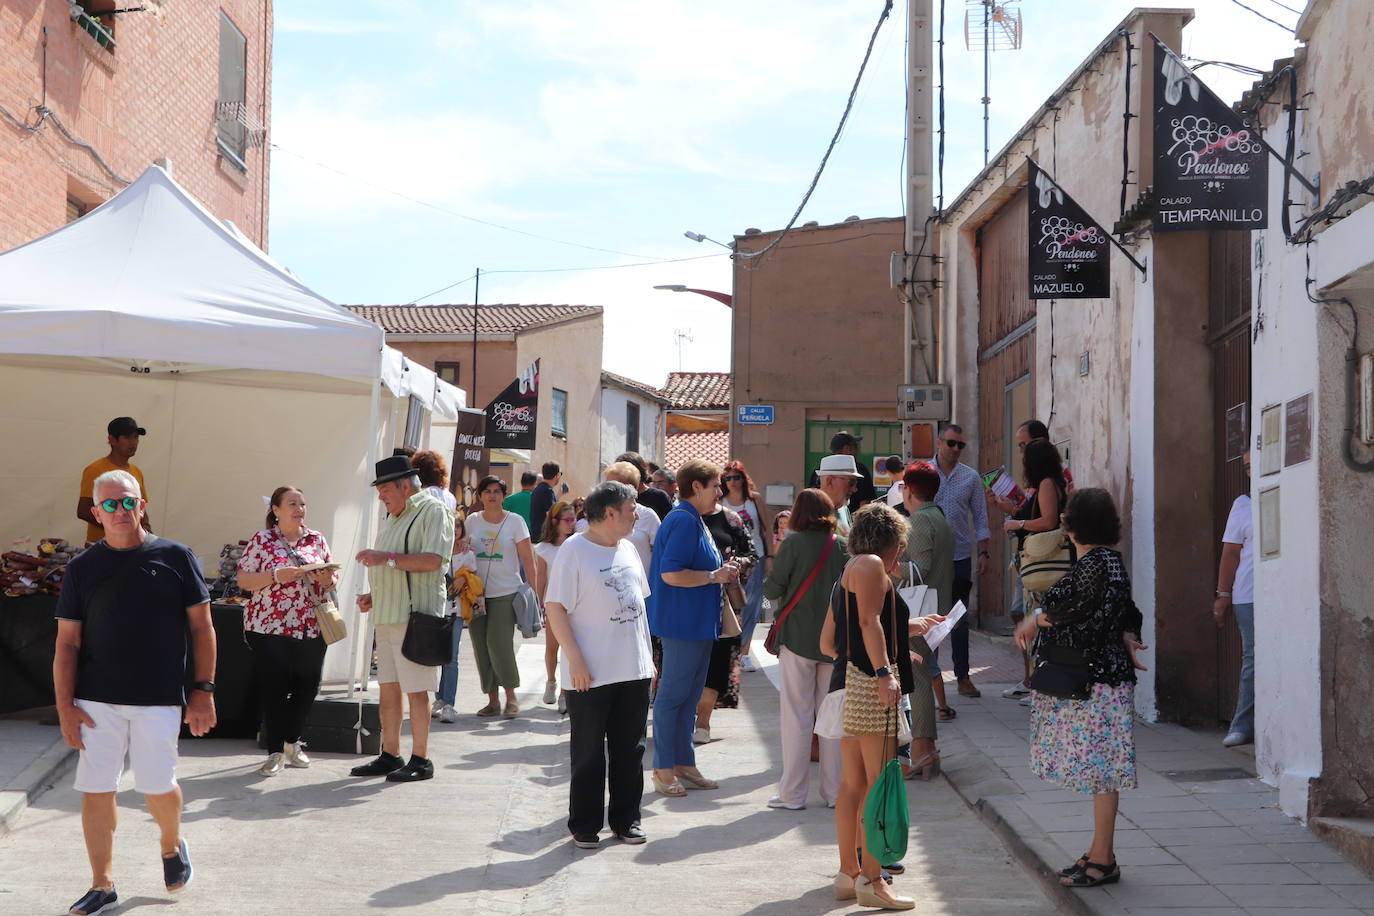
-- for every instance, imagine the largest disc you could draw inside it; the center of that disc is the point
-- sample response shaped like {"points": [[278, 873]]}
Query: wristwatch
{"points": [[883, 671], [207, 686], [391, 562], [711, 576]]}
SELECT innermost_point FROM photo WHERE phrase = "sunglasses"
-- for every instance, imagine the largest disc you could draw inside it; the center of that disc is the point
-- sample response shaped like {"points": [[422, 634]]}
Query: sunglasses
{"points": [[955, 443], [114, 505], [731, 477]]}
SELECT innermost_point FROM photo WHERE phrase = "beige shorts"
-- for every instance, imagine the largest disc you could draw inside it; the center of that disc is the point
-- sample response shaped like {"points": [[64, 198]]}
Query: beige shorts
{"points": [[395, 668]]}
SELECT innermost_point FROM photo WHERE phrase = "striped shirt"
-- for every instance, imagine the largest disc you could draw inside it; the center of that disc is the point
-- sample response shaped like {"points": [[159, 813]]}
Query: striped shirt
{"points": [[961, 498], [393, 598]]}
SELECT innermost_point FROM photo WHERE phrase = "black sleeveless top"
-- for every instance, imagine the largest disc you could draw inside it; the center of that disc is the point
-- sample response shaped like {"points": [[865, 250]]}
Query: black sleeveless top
{"points": [[848, 632]]}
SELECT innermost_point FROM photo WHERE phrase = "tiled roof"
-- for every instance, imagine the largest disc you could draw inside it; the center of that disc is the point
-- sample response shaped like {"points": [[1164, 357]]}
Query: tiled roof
{"points": [[698, 390], [457, 319], [679, 447], [648, 391]]}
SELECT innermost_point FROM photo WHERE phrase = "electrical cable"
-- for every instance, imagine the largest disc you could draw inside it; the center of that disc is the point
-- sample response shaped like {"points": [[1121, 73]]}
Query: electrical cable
{"points": [[1284, 6], [940, 154], [51, 115], [1352, 359], [433, 206], [849, 105], [1126, 125], [1264, 17], [561, 270]]}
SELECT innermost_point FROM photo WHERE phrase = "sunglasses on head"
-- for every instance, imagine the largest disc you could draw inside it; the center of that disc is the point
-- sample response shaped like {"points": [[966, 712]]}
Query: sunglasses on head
{"points": [[955, 443], [114, 505]]}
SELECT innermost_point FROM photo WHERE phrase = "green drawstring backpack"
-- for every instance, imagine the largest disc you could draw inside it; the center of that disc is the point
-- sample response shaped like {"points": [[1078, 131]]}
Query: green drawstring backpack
{"points": [[886, 818]]}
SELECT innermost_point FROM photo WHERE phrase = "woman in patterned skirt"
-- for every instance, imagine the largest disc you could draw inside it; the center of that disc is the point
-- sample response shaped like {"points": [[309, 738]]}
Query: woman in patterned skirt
{"points": [[1088, 745], [871, 636]]}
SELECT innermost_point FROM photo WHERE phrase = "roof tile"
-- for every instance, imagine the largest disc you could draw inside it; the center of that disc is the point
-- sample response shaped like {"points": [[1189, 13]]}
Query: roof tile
{"points": [[699, 390], [680, 447], [457, 319], [640, 387]]}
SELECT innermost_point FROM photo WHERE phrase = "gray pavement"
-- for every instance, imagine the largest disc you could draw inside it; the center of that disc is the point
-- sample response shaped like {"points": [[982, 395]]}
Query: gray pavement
{"points": [[1200, 835], [487, 835]]}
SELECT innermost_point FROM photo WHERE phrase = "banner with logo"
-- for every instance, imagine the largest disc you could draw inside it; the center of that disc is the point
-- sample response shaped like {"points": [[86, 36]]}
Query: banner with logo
{"points": [[1070, 254], [471, 457], [512, 415], [1211, 171]]}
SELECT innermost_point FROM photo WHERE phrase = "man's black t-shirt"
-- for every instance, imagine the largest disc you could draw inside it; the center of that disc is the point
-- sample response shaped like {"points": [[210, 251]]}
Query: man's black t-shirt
{"points": [[657, 500], [132, 607], [541, 501]]}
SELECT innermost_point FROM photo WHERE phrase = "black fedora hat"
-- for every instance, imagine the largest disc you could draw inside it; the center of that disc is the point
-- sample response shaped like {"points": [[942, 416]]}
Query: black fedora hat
{"points": [[393, 468]]}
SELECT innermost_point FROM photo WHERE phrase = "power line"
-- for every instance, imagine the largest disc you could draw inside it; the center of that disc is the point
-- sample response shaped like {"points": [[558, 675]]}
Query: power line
{"points": [[561, 270], [1264, 17], [1289, 8], [434, 206], [849, 105]]}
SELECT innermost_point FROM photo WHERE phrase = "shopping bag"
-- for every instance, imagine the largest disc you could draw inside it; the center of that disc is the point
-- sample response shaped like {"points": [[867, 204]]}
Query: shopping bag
{"points": [[886, 820]]}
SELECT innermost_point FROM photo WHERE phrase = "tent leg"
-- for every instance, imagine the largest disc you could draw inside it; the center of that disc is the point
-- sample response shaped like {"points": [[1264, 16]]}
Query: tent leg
{"points": [[358, 644]]}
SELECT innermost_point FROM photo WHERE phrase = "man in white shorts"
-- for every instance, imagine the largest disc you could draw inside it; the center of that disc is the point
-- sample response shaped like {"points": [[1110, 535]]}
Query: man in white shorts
{"points": [[405, 573], [119, 672]]}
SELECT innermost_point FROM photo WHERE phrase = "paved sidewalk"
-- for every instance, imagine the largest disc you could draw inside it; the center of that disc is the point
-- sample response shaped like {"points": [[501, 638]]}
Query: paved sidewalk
{"points": [[1200, 835], [488, 834], [32, 758]]}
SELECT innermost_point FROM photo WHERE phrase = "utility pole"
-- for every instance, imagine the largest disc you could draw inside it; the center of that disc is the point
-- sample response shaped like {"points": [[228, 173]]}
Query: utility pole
{"points": [[917, 287], [476, 308]]}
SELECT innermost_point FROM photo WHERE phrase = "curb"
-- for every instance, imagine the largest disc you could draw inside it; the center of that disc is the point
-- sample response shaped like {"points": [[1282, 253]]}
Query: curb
{"points": [[35, 779], [985, 788]]}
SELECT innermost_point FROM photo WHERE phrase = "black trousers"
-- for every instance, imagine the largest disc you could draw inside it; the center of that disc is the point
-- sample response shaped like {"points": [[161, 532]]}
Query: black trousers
{"points": [[958, 638], [607, 744], [288, 675]]}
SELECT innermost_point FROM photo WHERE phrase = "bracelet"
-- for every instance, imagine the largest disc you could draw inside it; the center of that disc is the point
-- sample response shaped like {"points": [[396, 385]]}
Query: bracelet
{"points": [[1223, 594], [275, 580], [711, 577]]}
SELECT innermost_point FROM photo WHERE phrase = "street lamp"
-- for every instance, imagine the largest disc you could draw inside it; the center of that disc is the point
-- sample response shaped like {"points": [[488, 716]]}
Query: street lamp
{"points": [[724, 298], [698, 237]]}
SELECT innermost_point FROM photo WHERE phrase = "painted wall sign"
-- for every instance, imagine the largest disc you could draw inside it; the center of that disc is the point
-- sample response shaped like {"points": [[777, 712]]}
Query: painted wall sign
{"points": [[754, 413], [1211, 171], [512, 414], [1070, 254]]}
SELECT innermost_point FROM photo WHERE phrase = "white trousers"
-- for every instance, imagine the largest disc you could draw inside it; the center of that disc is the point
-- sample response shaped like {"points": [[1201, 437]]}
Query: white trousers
{"points": [[802, 685]]}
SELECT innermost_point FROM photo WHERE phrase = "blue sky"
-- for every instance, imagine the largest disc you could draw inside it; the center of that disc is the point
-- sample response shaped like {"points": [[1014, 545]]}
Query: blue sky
{"points": [[615, 126]]}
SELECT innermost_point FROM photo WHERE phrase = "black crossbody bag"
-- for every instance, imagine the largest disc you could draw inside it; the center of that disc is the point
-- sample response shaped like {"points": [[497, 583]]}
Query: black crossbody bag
{"points": [[429, 639], [1062, 672]]}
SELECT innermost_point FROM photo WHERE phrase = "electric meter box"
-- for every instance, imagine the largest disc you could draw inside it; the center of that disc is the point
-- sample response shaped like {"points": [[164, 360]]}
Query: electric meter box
{"points": [[923, 402]]}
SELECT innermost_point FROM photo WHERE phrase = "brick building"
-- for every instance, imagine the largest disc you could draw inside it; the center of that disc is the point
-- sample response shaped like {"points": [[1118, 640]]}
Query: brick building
{"points": [[89, 98]]}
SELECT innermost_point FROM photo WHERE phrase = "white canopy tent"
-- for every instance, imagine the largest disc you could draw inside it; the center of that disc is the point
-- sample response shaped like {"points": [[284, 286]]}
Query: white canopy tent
{"points": [[245, 379]]}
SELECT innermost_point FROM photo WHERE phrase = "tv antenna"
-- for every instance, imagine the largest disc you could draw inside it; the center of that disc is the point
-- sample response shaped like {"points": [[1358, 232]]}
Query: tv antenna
{"points": [[681, 334], [988, 27]]}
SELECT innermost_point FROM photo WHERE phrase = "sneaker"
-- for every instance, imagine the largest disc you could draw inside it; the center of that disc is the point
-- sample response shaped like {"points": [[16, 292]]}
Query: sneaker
{"points": [[746, 664], [1012, 693], [176, 868], [1236, 739], [550, 692], [563, 703], [701, 736], [631, 837], [272, 765], [448, 714], [1024, 701], [295, 754], [436, 708], [384, 764], [777, 802], [586, 840], [415, 770], [95, 901]]}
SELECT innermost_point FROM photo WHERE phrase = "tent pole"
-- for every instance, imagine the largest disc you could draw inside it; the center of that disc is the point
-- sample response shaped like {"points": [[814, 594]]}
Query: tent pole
{"points": [[357, 645]]}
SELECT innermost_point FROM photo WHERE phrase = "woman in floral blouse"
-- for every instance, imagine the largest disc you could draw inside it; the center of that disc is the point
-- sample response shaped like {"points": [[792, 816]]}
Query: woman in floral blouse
{"points": [[1091, 623], [280, 626]]}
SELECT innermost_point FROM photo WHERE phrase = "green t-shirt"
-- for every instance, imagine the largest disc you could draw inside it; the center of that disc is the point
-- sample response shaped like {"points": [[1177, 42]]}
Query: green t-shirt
{"points": [[519, 503]]}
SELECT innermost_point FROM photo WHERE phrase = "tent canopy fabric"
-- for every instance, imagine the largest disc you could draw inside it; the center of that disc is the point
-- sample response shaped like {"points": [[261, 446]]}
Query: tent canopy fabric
{"points": [[152, 277]]}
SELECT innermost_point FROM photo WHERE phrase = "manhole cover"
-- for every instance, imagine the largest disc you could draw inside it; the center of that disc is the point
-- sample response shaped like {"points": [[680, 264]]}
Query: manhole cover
{"points": [[1212, 775]]}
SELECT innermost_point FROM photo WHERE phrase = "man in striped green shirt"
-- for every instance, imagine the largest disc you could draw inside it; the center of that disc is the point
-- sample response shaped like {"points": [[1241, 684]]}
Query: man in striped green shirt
{"points": [[405, 573]]}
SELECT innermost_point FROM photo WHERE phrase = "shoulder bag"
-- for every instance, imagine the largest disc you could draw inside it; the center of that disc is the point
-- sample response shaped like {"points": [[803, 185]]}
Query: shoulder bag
{"points": [[1045, 557], [770, 643], [429, 638], [922, 600], [1061, 672], [327, 616]]}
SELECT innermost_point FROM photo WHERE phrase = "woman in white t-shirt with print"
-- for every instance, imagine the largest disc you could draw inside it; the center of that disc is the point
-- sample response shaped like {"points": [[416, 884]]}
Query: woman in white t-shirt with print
{"points": [[501, 540], [558, 527], [741, 497]]}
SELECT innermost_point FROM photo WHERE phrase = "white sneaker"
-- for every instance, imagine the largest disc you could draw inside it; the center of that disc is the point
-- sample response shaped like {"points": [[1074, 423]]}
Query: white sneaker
{"points": [[295, 754], [1025, 701], [563, 703], [1012, 693], [272, 766], [550, 692], [448, 714], [701, 736], [777, 802], [436, 708], [746, 664], [1236, 739]]}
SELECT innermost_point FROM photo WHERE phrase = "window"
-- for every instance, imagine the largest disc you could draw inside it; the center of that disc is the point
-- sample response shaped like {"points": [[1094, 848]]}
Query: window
{"points": [[558, 424], [231, 111], [96, 18], [631, 427], [76, 209], [447, 371]]}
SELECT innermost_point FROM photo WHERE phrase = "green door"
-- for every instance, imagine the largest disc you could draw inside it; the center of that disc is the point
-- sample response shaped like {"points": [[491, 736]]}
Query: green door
{"points": [[877, 440]]}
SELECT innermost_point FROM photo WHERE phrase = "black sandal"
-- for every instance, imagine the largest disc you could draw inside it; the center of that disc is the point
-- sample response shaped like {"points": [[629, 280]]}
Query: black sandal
{"points": [[1108, 874], [1071, 870], [946, 713]]}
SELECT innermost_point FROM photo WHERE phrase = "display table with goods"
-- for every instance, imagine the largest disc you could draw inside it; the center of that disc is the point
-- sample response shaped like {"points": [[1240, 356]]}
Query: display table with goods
{"points": [[30, 578]]}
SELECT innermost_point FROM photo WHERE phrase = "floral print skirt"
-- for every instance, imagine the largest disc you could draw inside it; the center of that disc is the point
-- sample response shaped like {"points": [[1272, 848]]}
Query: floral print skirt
{"points": [[1087, 745]]}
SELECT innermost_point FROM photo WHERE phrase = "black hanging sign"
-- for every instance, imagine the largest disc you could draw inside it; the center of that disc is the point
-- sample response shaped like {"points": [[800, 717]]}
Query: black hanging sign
{"points": [[1211, 171], [1070, 254], [512, 415]]}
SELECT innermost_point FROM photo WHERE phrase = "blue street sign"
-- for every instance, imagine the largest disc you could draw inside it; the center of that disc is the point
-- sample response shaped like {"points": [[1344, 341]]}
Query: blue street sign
{"points": [[754, 413]]}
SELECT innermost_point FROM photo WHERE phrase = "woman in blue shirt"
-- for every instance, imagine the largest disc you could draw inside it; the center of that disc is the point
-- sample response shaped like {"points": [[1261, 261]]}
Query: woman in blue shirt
{"points": [[685, 578]]}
